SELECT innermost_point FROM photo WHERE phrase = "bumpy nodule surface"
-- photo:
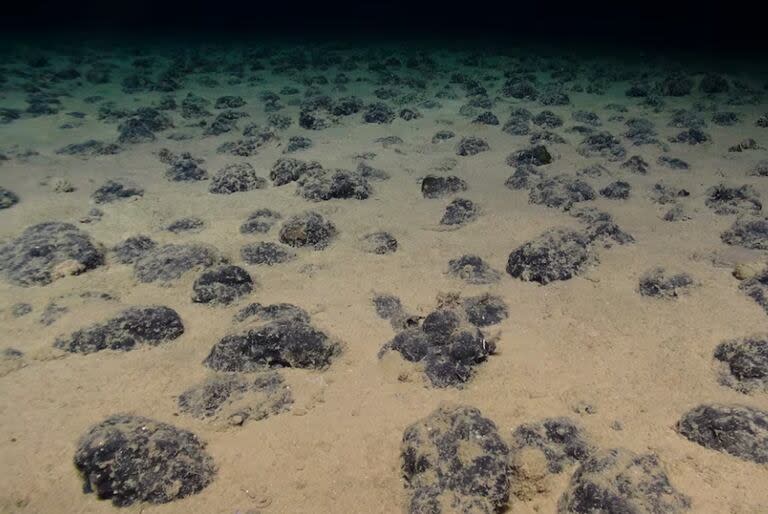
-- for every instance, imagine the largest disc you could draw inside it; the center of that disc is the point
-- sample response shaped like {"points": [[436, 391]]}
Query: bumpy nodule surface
{"points": [[169, 262], [619, 481], [233, 400], [283, 342], [455, 461], [130, 459], [735, 429], [744, 363], [558, 254], [130, 328]]}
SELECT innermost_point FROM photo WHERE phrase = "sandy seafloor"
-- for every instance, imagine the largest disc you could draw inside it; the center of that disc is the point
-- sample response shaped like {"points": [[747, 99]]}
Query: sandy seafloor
{"points": [[589, 340]]}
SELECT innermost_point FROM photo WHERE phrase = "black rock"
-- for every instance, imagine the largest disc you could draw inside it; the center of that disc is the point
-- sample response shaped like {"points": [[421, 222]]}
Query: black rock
{"points": [[296, 143], [130, 328], [486, 118], [620, 481], [558, 254], [20, 309], [744, 364], [347, 106], [586, 117], [672, 162], [560, 440], [664, 194], [443, 135], [744, 145], [287, 170], [738, 430], [725, 119], [760, 169], [266, 253], [134, 131], [260, 221], [222, 284], [229, 102], [636, 164], [409, 114], [133, 248], [656, 283], [309, 229], [90, 147], [547, 119], [380, 243], [459, 212], [235, 399], [677, 84], [321, 185], [561, 192], [183, 167], [276, 311], [724, 199], [554, 96], [618, 190], [749, 232], [524, 177], [602, 144], [641, 132], [130, 459], [687, 119], [473, 270], [485, 310], [280, 343], [692, 136], [713, 83], [169, 262], [113, 190], [535, 156], [47, 251], [378, 112], [438, 187], [188, 224], [454, 460], [7, 198], [235, 178], [471, 145]]}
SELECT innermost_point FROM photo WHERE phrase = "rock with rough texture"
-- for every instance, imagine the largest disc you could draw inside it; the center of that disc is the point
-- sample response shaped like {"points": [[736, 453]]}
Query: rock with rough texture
{"points": [[266, 253], [236, 178], [321, 185], [438, 187], [126, 331], [130, 459], [738, 430], [560, 440], [743, 364], [748, 231], [48, 251], [308, 230], [619, 481], [131, 249], [233, 400], [558, 254], [222, 285], [113, 190], [260, 221], [380, 243], [561, 192], [454, 460], [459, 212], [471, 145], [724, 199], [169, 262], [473, 270], [281, 343], [7, 198], [657, 283], [602, 144]]}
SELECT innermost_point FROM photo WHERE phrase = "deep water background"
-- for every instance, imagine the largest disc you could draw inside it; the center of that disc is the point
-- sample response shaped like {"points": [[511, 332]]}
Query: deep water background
{"points": [[733, 30]]}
